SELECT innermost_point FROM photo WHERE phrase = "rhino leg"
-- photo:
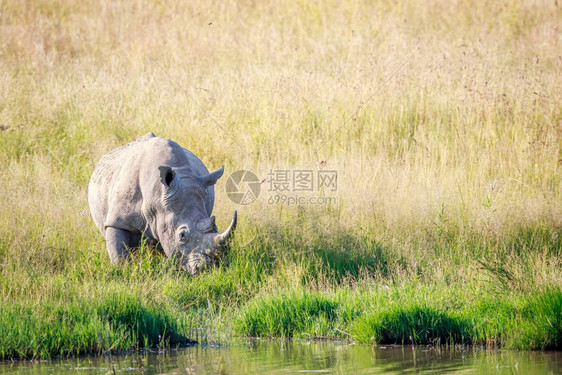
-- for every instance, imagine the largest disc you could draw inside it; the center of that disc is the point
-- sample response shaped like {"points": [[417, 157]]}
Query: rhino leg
{"points": [[118, 240]]}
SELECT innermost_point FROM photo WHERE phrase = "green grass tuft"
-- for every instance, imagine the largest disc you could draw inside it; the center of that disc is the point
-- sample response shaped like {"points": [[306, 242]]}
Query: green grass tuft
{"points": [[112, 322], [412, 325], [287, 315]]}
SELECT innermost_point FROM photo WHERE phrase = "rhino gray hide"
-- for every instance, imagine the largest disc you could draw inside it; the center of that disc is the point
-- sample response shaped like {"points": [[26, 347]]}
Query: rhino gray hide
{"points": [[155, 188]]}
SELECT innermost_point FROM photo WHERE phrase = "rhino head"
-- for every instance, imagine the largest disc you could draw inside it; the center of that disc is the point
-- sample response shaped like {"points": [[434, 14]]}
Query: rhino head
{"points": [[184, 226]]}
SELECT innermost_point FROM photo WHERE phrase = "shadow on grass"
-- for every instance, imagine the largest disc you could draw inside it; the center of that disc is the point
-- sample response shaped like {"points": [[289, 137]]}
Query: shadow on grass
{"points": [[335, 253]]}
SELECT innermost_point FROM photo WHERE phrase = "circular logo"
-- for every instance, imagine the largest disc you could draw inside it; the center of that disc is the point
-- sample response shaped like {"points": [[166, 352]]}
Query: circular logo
{"points": [[243, 187]]}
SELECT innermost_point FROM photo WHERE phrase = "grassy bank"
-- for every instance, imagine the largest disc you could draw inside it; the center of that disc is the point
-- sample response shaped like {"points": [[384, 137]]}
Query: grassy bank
{"points": [[446, 223]]}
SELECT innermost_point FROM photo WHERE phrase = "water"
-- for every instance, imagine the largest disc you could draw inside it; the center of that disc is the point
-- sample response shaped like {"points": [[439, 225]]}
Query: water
{"points": [[285, 357]]}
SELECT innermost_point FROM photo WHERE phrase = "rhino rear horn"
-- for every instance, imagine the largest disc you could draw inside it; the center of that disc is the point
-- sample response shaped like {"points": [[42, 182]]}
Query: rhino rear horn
{"points": [[211, 178]]}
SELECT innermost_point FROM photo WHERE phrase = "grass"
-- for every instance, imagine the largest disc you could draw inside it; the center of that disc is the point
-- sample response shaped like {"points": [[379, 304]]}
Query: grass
{"points": [[94, 325], [447, 221], [425, 315]]}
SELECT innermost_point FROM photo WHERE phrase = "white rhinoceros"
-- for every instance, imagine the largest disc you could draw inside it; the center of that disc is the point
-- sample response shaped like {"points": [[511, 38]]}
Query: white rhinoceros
{"points": [[155, 188]]}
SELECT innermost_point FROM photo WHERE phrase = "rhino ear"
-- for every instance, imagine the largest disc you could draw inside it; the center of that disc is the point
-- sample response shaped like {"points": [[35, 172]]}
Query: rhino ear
{"points": [[167, 175], [211, 178]]}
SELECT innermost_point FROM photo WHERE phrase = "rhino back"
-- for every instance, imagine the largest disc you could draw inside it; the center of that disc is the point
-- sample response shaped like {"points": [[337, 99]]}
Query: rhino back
{"points": [[114, 178]]}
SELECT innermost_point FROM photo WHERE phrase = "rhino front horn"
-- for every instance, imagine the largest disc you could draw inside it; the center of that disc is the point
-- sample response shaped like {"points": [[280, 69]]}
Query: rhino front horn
{"points": [[221, 238]]}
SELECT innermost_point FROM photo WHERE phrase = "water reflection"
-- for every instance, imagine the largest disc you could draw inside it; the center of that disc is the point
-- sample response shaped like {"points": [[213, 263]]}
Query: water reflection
{"points": [[285, 357]]}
